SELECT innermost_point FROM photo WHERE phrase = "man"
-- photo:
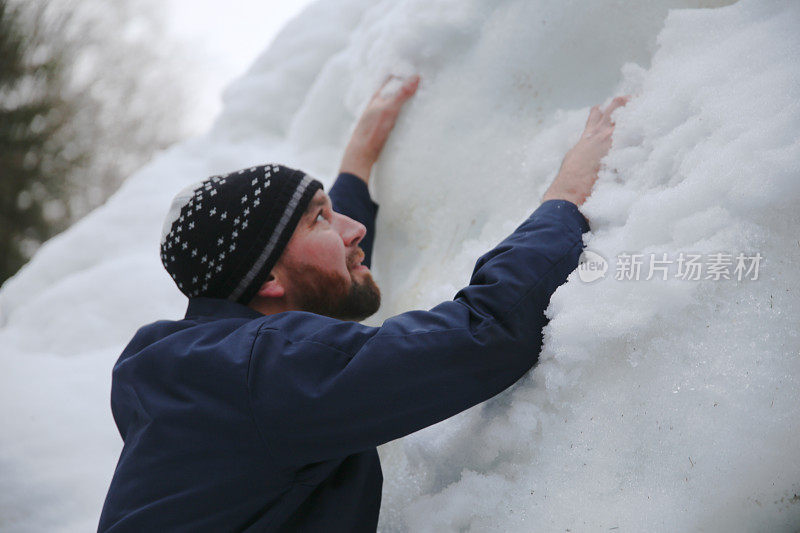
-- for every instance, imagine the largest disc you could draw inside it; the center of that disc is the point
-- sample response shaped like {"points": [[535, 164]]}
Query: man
{"points": [[261, 410]]}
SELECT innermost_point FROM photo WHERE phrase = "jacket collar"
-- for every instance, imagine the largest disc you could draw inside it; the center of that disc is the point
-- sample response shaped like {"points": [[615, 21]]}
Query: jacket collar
{"points": [[219, 308]]}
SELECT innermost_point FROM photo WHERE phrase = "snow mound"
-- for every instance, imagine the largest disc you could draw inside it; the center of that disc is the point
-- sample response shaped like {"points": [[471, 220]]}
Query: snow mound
{"points": [[658, 405]]}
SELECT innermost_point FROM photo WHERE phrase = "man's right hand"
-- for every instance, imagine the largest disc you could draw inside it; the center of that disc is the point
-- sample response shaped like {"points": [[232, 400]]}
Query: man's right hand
{"points": [[373, 128], [579, 169]]}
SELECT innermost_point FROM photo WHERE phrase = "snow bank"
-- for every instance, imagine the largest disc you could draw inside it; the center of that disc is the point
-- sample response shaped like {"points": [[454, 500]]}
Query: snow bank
{"points": [[657, 405]]}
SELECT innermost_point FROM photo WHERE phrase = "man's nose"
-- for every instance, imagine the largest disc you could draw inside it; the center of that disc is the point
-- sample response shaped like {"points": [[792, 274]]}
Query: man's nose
{"points": [[351, 230]]}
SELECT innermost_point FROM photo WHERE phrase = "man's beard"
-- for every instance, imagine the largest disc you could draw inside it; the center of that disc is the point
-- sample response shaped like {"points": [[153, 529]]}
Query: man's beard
{"points": [[325, 293]]}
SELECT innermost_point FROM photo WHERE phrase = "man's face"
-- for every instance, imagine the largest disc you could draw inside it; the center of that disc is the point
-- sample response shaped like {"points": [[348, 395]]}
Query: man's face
{"points": [[321, 268]]}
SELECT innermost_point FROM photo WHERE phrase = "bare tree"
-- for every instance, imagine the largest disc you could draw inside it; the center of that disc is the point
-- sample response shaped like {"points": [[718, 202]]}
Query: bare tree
{"points": [[95, 90]]}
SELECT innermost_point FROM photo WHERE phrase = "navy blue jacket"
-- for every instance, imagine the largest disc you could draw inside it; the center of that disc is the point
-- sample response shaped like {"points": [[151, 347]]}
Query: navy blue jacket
{"points": [[232, 420]]}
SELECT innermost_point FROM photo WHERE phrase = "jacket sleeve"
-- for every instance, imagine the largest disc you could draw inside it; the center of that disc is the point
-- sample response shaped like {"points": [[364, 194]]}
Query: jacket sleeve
{"points": [[322, 388], [350, 196]]}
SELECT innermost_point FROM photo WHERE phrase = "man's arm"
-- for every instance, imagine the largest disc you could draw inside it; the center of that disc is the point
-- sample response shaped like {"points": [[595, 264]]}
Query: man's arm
{"points": [[321, 388], [350, 197], [350, 194], [579, 169]]}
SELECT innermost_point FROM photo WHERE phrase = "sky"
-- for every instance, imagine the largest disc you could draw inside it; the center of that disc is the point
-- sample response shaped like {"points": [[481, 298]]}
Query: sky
{"points": [[225, 36]]}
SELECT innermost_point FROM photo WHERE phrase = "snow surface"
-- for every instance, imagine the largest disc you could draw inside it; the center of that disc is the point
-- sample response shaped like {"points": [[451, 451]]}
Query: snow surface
{"points": [[656, 406]]}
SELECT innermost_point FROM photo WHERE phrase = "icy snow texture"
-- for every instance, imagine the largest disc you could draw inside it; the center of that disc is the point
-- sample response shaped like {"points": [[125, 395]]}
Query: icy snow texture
{"points": [[656, 406]]}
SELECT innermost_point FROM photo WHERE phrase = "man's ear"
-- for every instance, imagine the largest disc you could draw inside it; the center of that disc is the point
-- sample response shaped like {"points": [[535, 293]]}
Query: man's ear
{"points": [[272, 288]]}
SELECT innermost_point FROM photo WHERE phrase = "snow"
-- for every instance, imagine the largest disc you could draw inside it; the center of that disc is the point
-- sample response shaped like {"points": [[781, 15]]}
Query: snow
{"points": [[657, 405]]}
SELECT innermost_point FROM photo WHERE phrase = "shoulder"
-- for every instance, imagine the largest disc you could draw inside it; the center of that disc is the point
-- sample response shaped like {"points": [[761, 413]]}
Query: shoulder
{"points": [[192, 342], [299, 328]]}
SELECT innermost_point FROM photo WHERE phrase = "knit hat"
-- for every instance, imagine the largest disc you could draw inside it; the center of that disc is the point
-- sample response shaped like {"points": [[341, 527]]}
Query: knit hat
{"points": [[222, 236]]}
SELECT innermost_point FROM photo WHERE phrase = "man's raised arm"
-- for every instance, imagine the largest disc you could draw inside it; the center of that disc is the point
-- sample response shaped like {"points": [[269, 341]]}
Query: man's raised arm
{"points": [[331, 388], [349, 194]]}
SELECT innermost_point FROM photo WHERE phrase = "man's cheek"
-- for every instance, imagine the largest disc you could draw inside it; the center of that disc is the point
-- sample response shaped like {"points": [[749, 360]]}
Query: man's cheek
{"points": [[315, 253], [327, 255]]}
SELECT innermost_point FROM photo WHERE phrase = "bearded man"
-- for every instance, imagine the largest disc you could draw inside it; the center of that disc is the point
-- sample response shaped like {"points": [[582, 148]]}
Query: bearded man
{"points": [[261, 410]]}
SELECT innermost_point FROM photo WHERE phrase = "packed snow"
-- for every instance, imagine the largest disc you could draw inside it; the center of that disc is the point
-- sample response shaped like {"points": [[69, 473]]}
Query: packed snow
{"points": [[657, 405]]}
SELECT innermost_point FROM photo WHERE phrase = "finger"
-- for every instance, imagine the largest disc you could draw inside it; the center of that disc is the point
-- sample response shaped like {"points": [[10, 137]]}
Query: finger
{"points": [[615, 104], [384, 83], [594, 115], [398, 90], [408, 89]]}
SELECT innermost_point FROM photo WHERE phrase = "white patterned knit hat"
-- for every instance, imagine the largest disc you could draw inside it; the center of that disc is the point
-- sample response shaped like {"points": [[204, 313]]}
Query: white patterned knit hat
{"points": [[222, 236]]}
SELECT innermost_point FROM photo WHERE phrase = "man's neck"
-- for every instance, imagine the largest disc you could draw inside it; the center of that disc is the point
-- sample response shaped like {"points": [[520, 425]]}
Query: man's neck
{"points": [[270, 306]]}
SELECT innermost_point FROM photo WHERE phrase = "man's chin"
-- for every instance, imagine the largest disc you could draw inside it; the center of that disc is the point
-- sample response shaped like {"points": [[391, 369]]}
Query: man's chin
{"points": [[364, 299], [326, 293]]}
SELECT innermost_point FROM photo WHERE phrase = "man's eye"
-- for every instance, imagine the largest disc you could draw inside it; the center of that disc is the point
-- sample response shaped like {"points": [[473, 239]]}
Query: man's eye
{"points": [[321, 218]]}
